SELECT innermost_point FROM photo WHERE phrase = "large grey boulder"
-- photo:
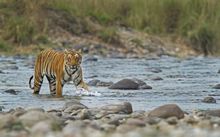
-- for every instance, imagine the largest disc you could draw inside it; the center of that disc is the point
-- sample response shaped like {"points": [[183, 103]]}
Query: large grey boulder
{"points": [[166, 111], [130, 84]]}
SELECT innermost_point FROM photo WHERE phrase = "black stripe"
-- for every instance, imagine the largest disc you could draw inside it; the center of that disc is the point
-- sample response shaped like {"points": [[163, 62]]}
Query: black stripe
{"points": [[79, 82], [78, 76], [68, 73]]}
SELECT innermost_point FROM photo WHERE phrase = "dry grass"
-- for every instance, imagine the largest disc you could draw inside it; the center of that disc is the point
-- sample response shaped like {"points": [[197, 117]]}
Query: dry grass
{"points": [[23, 21]]}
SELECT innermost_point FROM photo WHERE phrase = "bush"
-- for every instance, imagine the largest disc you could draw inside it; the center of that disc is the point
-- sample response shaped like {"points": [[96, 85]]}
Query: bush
{"points": [[109, 35], [203, 39], [20, 30], [3, 46]]}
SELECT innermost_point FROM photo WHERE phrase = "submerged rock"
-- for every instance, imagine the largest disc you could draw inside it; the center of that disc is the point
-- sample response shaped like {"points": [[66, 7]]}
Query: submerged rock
{"points": [[216, 86], [96, 82], [209, 100], [154, 70], [157, 78], [93, 82], [130, 84], [166, 111], [12, 91], [1, 107], [125, 84]]}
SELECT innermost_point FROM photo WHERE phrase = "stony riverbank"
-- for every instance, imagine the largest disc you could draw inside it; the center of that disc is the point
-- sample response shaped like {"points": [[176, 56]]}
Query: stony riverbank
{"points": [[77, 120]]}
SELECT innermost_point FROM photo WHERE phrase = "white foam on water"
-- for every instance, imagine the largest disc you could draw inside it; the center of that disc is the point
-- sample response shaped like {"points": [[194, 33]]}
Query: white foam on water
{"points": [[84, 92]]}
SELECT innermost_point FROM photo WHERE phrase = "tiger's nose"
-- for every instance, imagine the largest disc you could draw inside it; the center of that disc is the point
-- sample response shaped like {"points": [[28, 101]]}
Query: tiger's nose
{"points": [[73, 67]]}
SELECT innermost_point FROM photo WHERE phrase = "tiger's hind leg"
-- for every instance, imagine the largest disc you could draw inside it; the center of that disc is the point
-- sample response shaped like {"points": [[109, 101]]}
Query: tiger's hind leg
{"points": [[38, 80], [52, 85]]}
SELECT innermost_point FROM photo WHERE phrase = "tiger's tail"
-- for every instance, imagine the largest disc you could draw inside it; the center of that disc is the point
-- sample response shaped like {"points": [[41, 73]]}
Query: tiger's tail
{"points": [[30, 82]]}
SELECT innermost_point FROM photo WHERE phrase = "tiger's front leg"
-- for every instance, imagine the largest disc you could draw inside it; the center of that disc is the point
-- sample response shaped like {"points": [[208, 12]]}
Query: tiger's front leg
{"points": [[79, 83], [59, 88]]}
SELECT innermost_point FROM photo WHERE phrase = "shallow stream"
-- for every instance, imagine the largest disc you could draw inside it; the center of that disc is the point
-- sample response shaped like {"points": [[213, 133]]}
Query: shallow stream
{"points": [[185, 82]]}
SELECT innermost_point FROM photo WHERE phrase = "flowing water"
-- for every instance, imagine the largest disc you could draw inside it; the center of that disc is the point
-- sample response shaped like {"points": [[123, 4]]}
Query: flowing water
{"points": [[185, 82]]}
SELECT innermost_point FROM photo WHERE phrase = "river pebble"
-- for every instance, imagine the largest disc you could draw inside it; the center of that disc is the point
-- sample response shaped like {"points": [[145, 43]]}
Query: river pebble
{"points": [[117, 120], [209, 100], [167, 111]]}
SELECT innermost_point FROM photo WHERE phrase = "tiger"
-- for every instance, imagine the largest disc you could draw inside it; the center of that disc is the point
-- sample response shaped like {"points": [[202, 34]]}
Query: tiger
{"points": [[59, 67]]}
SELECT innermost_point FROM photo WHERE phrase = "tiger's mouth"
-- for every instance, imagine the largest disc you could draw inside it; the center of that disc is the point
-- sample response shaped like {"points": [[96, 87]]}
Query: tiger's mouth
{"points": [[71, 69]]}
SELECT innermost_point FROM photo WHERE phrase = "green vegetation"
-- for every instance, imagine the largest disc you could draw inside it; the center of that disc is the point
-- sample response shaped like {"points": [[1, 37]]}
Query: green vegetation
{"points": [[24, 22]]}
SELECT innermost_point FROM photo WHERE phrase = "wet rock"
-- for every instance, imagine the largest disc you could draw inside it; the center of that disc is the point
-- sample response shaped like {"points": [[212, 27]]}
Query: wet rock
{"points": [[124, 128], [209, 100], [93, 82], [130, 84], [67, 117], [190, 119], [96, 82], [205, 123], [55, 112], [74, 104], [1, 72], [125, 84], [157, 78], [124, 108], [114, 122], [215, 120], [166, 111], [108, 127], [104, 84], [1, 107], [74, 107], [84, 114], [32, 117], [6, 121], [18, 112], [12, 91], [152, 120], [138, 114], [172, 120], [73, 128], [215, 113], [41, 128], [115, 119], [136, 122], [141, 84], [216, 86], [36, 109]]}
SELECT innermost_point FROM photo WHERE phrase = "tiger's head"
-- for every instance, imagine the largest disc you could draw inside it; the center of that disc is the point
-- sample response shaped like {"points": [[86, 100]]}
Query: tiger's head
{"points": [[72, 60]]}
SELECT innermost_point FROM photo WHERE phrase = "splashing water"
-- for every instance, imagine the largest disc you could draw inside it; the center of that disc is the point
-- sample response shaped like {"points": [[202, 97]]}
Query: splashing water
{"points": [[84, 92]]}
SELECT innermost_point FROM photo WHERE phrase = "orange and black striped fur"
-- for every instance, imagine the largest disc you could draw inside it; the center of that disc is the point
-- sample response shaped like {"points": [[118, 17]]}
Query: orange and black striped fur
{"points": [[59, 68]]}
